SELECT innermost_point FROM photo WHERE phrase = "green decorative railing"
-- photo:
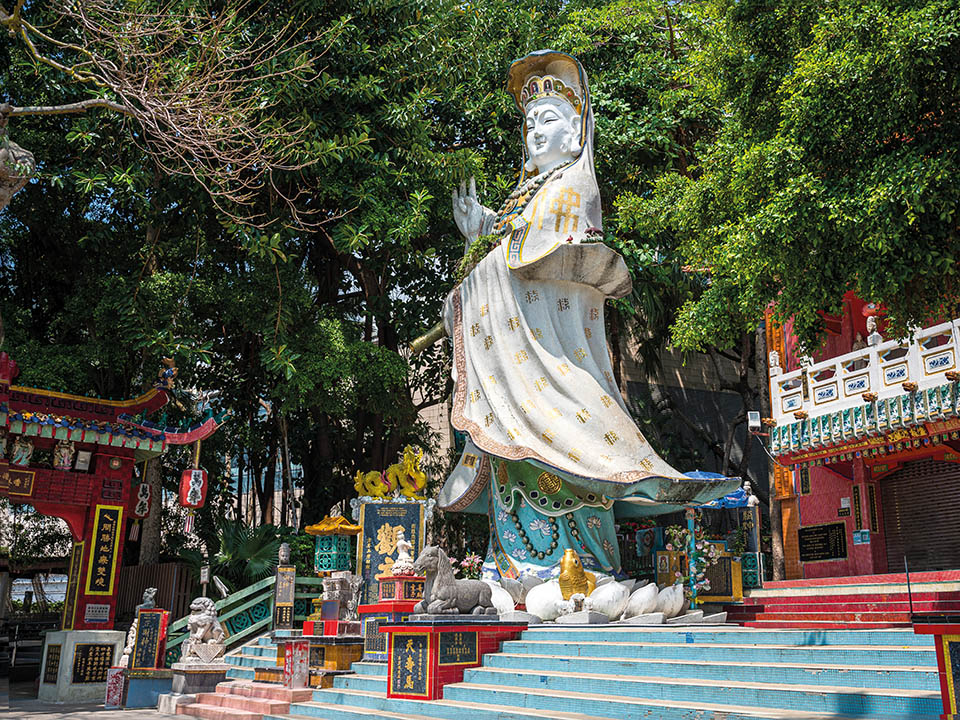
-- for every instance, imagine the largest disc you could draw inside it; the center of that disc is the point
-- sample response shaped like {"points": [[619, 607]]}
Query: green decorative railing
{"points": [[247, 613]]}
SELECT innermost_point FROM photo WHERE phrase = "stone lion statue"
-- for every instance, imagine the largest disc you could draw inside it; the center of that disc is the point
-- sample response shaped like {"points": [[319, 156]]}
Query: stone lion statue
{"points": [[149, 601], [206, 639]]}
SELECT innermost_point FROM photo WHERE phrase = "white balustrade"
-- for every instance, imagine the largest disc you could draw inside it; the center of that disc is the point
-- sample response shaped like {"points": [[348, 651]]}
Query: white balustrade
{"points": [[840, 382]]}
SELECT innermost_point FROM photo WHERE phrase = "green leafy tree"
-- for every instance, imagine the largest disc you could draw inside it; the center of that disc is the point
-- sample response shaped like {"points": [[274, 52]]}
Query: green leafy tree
{"points": [[832, 170]]}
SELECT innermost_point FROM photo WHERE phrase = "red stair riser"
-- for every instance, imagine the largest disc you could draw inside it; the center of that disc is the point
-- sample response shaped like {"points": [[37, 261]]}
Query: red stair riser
{"points": [[834, 617], [775, 625], [263, 690], [952, 596], [245, 702], [215, 712], [934, 576], [918, 607]]}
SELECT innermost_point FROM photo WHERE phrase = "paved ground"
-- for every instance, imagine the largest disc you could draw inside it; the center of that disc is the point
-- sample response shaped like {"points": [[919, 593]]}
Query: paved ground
{"points": [[19, 702]]}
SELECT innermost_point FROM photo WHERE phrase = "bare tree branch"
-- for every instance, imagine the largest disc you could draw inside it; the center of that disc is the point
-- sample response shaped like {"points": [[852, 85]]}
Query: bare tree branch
{"points": [[201, 85], [68, 109]]}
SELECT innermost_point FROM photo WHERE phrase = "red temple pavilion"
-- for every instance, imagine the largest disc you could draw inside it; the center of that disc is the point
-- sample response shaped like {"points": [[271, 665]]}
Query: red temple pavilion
{"points": [[88, 481]]}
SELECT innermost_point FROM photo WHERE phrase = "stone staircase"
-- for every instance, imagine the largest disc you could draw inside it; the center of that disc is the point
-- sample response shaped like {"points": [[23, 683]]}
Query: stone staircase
{"points": [[616, 672], [240, 698], [262, 652], [878, 601], [243, 700]]}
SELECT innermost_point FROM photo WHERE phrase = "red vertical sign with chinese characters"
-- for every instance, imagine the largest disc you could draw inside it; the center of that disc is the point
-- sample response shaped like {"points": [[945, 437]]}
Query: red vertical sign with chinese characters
{"points": [[103, 550]]}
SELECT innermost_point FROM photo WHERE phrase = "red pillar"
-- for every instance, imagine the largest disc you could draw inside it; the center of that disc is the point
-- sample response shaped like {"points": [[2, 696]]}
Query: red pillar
{"points": [[862, 554]]}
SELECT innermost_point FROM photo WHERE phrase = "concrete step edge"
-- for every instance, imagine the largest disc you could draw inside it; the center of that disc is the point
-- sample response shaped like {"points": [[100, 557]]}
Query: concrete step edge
{"points": [[762, 712], [745, 646], [706, 682], [547, 714], [721, 663], [258, 704], [217, 710]]}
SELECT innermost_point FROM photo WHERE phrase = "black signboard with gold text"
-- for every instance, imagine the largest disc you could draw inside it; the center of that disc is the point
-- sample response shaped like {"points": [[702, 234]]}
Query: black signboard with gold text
{"points": [[285, 594], [103, 550], [51, 669], [378, 540], [410, 664], [149, 647], [458, 648], [91, 662], [17, 482], [823, 542]]}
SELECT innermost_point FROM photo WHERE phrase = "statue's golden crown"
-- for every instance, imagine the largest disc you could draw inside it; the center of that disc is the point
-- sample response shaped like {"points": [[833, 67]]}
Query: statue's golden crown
{"points": [[537, 87]]}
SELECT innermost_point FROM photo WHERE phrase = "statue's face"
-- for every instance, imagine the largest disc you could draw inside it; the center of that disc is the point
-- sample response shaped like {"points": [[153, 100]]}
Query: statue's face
{"points": [[553, 133]]}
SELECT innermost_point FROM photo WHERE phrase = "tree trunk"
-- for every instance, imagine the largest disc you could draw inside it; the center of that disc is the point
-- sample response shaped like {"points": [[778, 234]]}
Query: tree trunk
{"points": [[776, 525], [265, 482], [286, 493], [241, 471], [150, 532]]}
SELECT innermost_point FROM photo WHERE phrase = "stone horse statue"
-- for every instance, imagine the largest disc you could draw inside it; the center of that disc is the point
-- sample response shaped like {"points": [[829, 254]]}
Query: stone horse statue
{"points": [[443, 593]]}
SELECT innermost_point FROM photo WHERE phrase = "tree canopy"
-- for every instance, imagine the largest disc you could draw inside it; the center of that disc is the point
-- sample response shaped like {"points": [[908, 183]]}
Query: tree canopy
{"points": [[832, 169], [750, 152]]}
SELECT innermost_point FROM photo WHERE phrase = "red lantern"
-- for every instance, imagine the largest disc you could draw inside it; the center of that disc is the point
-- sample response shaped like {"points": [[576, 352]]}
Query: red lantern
{"points": [[193, 488]]}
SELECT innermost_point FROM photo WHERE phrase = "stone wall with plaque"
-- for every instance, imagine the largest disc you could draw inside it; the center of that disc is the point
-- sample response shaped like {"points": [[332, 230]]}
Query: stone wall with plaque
{"points": [[75, 664], [91, 662]]}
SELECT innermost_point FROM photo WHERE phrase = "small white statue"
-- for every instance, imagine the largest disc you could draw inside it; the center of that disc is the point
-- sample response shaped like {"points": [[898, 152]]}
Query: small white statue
{"points": [[149, 603], [404, 563], [873, 337], [752, 500], [774, 362]]}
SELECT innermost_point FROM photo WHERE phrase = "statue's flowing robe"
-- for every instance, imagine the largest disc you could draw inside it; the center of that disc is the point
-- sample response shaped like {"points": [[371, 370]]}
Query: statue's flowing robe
{"points": [[535, 392], [551, 443]]}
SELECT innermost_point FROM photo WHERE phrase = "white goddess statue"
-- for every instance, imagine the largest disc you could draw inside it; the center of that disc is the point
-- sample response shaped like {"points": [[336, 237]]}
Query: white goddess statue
{"points": [[551, 446]]}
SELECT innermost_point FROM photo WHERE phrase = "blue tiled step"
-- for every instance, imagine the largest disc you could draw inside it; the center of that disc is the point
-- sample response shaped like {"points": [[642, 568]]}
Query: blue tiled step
{"points": [[351, 705], [370, 668], [369, 683], [525, 705], [734, 635], [240, 673], [732, 652], [489, 685], [245, 660], [886, 676], [262, 650]]}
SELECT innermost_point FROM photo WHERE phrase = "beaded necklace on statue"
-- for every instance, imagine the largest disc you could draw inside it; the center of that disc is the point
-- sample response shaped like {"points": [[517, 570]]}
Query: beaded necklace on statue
{"points": [[516, 201]]}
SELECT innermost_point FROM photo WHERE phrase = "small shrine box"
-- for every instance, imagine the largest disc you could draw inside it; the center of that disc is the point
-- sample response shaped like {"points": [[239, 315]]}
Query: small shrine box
{"points": [[401, 587], [324, 656]]}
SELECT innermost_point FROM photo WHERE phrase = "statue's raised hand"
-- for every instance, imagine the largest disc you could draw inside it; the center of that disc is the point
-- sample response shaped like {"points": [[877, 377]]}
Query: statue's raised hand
{"points": [[468, 213]]}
